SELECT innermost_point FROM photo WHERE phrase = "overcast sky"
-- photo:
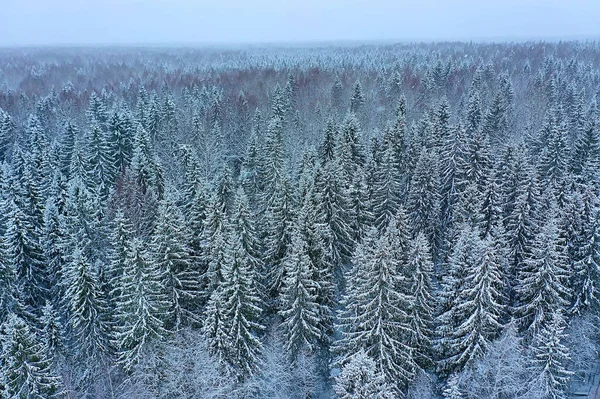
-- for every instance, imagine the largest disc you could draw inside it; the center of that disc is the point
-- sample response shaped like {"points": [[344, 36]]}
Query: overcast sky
{"points": [[35, 22]]}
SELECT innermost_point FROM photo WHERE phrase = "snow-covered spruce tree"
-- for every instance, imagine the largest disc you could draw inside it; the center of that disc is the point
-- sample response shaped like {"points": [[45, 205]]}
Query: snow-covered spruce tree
{"points": [[586, 155], [423, 202], [473, 293], [196, 212], [299, 309], [335, 204], [585, 251], [453, 182], [120, 237], [224, 189], [141, 307], [351, 150], [244, 222], [419, 272], [67, 146], [88, 314], [542, 280], [170, 252], [521, 227], [272, 162], [9, 283], [327, 149], [52, 331], [311, 225], [53, 252], [387, 187], [360, 379], [216, 225], [279, 217], [7, 130], [232, 314], [357, 100], [250, 170], [97, 111], [120, 142], [490, 224], [26, 369], [98, 158], [554, 153], [23, 255], [375, 317], [550, 360], [145, 168], [359, 208], [83, 225]]}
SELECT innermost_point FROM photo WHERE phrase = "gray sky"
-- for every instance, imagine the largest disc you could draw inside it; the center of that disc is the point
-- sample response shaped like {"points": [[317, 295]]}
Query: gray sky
{"points": [[34, 22]]}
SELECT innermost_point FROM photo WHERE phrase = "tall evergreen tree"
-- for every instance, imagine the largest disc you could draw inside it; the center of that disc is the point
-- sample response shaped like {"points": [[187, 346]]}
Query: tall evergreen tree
{"points": [[141, 307], [474, 302], [300, 310], [423, 202], [419, 272], [233, 313], [542, 289], [170, 252], [26, 369], [88, 313], [375, 318], [585, 255]]}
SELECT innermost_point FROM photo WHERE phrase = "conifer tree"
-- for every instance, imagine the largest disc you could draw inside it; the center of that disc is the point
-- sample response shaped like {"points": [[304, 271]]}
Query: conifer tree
{"points": [[521, 227], [24, 256], [99, 161], [473, 291], [67, 146], [215, 230], [586, 155], [233, 312], [170, 252], [337, 216], [419, 272], [585, 255], [423, 202], [542, 289], [350, 146], [452, 389], [88, 314], [52, 249], [7, 130], [26, 369], [141, 307], [357, 100], [327, 149], [375, 318], [278, 219], [52, 332], [244, 223], [299, 310], [120, 143], [311, 225], [387, 187]]}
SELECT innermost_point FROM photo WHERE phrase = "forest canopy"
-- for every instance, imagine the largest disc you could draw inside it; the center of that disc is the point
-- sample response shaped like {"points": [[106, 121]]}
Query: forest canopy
{"points": [[373, 221]]}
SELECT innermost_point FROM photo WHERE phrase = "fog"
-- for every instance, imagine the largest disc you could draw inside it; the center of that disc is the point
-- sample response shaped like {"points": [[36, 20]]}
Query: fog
{"points": [[64, 22]]}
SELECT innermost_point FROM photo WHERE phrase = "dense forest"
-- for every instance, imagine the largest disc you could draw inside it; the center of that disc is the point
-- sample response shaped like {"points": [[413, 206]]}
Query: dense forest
{"points": [[377, 221]]}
